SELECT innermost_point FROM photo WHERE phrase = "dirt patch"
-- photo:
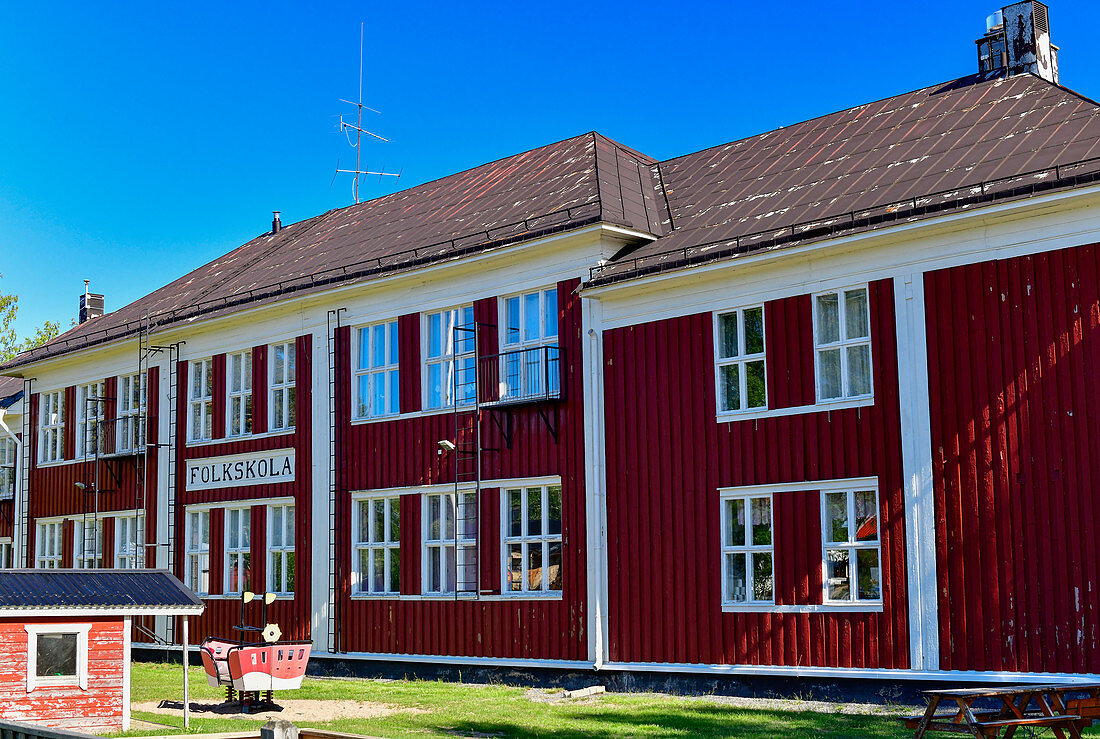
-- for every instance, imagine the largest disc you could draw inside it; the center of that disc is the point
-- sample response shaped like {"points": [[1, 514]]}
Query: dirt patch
{"points": [[557, 695], [291, 710]]}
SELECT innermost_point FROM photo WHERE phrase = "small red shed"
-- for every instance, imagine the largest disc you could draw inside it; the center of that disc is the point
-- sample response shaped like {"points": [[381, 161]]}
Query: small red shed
{"points": [[65, 642]]}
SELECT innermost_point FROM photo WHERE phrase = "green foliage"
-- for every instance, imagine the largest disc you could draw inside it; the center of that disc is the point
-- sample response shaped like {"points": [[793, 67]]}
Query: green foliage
{"points": [[10, 345]]}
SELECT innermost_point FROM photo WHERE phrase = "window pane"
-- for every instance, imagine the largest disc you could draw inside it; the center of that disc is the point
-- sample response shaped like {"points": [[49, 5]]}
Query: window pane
{"points": [[532, 317], [514, 567], [378, 394], [550, 312], [279, 363], [435, 386], [246, 378], [435, 569], [534, 511], [277, 526], [468, 515], [395, 570], [761, 521], [754, 330], [55, 655], [378, 519], [735, 578], [754, 385], [762, 576], [511, 321], [727, 335], [868, 572], [553, 526], [435, 335], [836, 563], [378, 570], [515, 513], [277, 572], [866, 515], [289, 525], [534, 566], [553, 567], [395, 520], [448, 516], [393, 402], [836, 517], [364, 521], [364, 570], [828, 319], [828, 374], [735, 523], [729, 387], [378, 346], [859, 370], [291, 406], [392, 346], [434, 514], [857, 321], [362, 396]]}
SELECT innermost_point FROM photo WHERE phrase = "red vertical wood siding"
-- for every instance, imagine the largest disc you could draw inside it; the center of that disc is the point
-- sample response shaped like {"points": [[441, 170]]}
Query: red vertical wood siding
{"points": [[1013, 347], [488, 343], [258, 542], [219, 398], [489, 551], [789, 348], [408, 348], [667, 456], [70, 423], [259, 389], [796, 521], [68, 530], [402, 453]]}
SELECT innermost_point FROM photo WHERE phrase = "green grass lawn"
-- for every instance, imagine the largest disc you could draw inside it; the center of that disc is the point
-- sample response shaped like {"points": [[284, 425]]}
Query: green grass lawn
{"points": [[446, 709]]}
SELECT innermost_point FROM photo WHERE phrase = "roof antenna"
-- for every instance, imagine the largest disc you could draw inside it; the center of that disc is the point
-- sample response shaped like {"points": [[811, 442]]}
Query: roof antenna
{"points": [[359, 131]]}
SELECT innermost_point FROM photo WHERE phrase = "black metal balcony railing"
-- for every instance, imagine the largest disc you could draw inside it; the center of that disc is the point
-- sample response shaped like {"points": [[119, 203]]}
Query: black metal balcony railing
{"points": [[112, 437], [529, 375]]}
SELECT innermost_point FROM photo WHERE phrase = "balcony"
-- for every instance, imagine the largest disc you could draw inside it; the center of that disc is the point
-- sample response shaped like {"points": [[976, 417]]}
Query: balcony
{"points": [[520, 376]]}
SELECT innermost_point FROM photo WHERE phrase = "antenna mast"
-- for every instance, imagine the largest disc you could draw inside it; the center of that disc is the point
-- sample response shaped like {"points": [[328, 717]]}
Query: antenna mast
{"points": [[359, 131]]}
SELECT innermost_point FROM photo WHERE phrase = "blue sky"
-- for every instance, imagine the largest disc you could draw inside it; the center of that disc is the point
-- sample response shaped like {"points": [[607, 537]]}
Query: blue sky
{"points": [[140, 140]]}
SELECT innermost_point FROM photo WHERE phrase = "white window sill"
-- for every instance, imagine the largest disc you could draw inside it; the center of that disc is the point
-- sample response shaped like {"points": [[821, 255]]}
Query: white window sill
{"points": [[814, 608], [243, 437], [412, 414], [798, 410], [57, 462]]}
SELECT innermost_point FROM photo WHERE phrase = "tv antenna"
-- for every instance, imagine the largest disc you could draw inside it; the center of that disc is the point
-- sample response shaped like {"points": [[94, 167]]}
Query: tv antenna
{"points": [[359, 131]]}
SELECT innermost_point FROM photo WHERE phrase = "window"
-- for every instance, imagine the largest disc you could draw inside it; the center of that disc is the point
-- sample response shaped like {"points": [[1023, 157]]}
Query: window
{"points": [[7, 468], [378, 546], [198, 552], [850, 534], [740, 357], [842, 328], [87, 543], [238, 552], [5, 554], [377, 391], [283, 403], [51, 426], [133, 393], [89, 419], [747, 555], [239, 368], [130, 542], [449, 366], [57, 655], [202, 400], [532, 540], [450, 543], [529, 365], [47, 545], [280, 549]]}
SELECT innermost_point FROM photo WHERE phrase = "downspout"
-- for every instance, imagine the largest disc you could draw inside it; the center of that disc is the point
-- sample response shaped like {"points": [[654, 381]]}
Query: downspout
{"points": [[17, 499]]}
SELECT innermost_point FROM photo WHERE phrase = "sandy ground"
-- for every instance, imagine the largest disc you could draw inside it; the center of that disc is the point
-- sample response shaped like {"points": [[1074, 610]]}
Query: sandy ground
{"points": [[291, 710], [540, 695]]}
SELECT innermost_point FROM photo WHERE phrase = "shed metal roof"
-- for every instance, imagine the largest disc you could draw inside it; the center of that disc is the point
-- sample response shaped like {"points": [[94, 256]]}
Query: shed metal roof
{"points": [[122, 591]]}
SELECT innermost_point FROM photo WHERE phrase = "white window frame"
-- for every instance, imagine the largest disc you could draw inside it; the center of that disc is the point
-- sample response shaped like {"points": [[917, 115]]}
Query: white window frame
{"points": [[387, 373], [449, 357], [238, 394], [234, 554], [282, 551], [51, 427], [6, 553], [750, 550], [852, 546], [87, 530], [90, 415], [129, 556], [742, 358], [46, 531], [200, 399], [842, 345], [282, 415], [433, 548], [197, 553], [362, 582], [524, 541], [8, 456], [522, 367], [130, 435], [80, 679]]}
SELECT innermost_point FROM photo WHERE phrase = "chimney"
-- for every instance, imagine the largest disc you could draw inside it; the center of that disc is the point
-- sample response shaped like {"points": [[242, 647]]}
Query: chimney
{"points": [[1017, 41], [276, 224], [91, 305]]}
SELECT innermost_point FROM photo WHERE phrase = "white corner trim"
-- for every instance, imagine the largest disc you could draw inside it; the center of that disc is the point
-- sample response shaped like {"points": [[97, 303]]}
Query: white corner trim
{"points": [[81, 678], [916, 452], [595, 480], [126, 631]]}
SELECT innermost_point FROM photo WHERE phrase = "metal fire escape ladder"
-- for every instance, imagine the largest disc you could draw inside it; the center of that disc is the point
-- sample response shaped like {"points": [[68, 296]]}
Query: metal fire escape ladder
{"points": [[336, 638], [173, 424], [466, 398]]}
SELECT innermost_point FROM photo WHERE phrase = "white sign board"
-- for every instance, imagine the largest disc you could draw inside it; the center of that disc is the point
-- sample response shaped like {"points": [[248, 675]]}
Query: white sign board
{"points": [[236, 470]]}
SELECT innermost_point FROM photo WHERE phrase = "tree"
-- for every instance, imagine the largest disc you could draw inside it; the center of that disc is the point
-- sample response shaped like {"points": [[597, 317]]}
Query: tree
{"points": [[10, 345]]}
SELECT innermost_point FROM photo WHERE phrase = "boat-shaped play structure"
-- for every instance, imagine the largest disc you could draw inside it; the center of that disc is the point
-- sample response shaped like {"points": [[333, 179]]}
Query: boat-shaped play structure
{"points": [[258, 663]]}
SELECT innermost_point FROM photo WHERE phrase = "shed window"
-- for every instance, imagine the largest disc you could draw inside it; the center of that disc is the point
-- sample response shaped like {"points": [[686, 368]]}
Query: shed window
{"points": [[377, 390], [532, 540], [239, 385], [51, 426], [57, 655], [748, 561], [449, 363], [851, 543], [201, 407], [842, 333], [740, 360], [283, 403]]}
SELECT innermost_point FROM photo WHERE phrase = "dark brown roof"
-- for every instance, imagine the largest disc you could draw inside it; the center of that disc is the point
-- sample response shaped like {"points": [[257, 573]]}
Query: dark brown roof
{"points": [[576, 182], [11, 390], [908, 156]]}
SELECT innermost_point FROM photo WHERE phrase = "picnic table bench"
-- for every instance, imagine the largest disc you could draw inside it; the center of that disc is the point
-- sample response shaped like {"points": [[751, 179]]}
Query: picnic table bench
{"points": [[1010, 708]]}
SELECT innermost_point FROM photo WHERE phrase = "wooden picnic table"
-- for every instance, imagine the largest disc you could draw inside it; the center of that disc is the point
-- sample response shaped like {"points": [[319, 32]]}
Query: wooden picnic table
{"points": [[1035, 706]]}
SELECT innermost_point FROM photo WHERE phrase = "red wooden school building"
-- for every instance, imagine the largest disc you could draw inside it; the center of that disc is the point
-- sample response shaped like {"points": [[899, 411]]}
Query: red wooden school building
{"points": [[818, 402]]}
